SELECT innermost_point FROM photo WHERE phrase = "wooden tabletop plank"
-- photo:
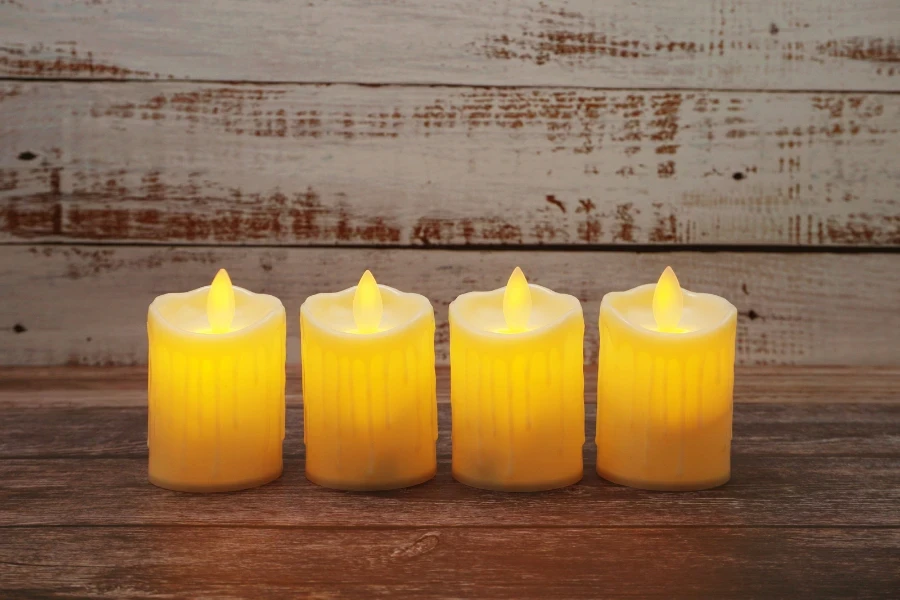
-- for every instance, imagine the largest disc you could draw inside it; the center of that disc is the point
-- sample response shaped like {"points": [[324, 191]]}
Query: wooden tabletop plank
{"points": [[771, 491], [488, 562], [811, 510], [795, 308], [794, 44], [194, 163]]}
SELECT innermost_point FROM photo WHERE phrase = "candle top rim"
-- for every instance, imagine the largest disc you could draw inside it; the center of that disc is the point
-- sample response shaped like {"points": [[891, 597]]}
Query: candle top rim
{"points": [[573, 308], [155, 309], [424, 309], [729, 312]]}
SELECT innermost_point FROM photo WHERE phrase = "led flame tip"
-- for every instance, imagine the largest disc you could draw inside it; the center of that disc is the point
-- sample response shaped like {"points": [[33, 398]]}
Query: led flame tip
{"points": [[220, 303], [668, 301], [367, 304], [517, 302]]}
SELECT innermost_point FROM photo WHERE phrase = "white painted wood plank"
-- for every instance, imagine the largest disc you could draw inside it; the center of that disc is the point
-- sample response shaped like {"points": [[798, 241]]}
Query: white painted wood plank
{"points": [[88, 304], [745, 44], [294, 164]]}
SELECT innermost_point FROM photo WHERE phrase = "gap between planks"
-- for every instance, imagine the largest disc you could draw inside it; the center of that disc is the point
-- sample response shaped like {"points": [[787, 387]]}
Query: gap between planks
{"points": [[450, 527], [427, 85], [630, 248]]}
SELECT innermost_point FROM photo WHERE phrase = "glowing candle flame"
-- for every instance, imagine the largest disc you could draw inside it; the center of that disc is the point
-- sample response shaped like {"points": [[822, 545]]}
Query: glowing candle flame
{"points": [[367, 304], [668, 301], [517, 302], [220, 303]]}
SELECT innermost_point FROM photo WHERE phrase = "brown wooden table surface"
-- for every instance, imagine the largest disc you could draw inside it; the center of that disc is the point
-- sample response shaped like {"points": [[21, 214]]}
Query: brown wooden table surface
{"points": [[812, 509]]}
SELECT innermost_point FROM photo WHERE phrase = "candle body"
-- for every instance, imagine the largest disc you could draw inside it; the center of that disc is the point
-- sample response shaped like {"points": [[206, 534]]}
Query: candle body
{"points": [[369, 400], [517, 399], [664, 401], [216, 402]]}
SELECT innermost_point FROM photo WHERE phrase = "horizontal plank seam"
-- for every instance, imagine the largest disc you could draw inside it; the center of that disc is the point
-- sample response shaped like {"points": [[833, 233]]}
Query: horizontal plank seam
{"points": [[426, 84], [444, 458], [634, 248], [427, 526], [751, 400]]}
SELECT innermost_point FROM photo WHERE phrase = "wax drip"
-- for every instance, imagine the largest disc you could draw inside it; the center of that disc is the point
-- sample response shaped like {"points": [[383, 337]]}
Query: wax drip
{"points": [[553, 353], [185, 412], [336, 401], [304, 383], [683, 402], [632, 369], [700, 392], [648, 420], [527, 380], [371, 410], [347, 373], [261, 391], [429, 345], [386, 367], [458, 397], [150, 395], [476, 409], [411, 392], [488, 394], [196, 389], [509, 415], [234, 398], [282, 360], [664, 405], [216, 398]]}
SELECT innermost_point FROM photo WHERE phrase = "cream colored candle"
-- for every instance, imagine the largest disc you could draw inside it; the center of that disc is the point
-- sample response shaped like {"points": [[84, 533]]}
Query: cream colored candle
{"points": [[517, 387], [369, 396], [664, 393], [216, 388]]}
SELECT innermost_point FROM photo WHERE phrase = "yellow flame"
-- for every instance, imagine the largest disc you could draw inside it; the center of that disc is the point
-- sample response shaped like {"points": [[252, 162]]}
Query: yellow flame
{"points": [[668, 301], [220, 303], [367, 304], [517, 302]]}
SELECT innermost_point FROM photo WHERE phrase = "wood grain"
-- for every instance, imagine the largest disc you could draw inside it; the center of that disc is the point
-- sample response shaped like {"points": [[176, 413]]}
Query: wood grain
{"points": [[765, 490], [87, 305], [311, 165], [721, 562], [811, 510], [792, 44]]}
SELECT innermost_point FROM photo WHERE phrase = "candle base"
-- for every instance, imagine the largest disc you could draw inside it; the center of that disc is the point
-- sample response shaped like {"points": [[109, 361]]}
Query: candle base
{"points": [[229, 486], [531, 486], [378, 485], [664, 486]]}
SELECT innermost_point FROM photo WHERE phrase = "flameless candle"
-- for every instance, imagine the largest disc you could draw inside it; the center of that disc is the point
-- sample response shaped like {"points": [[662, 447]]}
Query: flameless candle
{"points": [[664, 393], [216, 388], [369, 395], [517, 387]]}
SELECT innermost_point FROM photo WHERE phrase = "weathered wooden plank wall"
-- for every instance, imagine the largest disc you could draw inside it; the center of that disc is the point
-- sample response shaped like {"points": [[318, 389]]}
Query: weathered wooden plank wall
{"points": [[400, 165], [440, 131], [740, 44], [87, 304]]}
